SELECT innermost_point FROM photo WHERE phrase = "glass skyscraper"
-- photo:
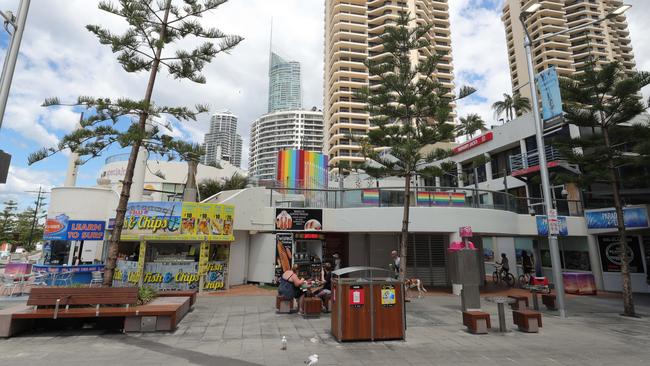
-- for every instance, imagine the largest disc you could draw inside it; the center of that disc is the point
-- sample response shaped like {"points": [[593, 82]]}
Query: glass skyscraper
{"points": [[284, 84]]}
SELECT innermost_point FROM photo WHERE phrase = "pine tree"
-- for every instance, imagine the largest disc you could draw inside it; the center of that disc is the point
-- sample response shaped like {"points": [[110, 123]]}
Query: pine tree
{"points": [[153, 27], [605, 101], [8, 220], [410, 109]]}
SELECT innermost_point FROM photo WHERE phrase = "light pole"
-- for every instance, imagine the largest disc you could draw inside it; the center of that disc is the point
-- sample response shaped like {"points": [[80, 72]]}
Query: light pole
{"points": [[539, 135], [18, 23]]}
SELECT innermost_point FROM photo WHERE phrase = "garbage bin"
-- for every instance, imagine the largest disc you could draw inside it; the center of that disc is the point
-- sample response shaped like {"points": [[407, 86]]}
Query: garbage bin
{"points": [[369, 306]]}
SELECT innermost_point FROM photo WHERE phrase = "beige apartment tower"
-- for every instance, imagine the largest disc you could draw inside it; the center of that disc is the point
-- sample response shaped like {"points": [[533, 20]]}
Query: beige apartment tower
{"points": [[569, 53], [352, 30]]}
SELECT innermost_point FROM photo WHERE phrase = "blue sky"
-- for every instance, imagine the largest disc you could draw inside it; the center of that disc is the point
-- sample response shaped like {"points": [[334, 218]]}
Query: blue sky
{"points": [[60, 58]]}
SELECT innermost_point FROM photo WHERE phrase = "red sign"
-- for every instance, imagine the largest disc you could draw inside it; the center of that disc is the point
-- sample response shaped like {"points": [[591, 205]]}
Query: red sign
{"points": [[533, 169], [356, 295], [52, 226], [473, 143]]}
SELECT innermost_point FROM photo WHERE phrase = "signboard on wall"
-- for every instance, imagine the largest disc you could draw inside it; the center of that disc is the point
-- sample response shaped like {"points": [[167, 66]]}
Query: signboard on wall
{"points": [[634, 217], [62, 228], [56, 228], [480, 140], [178, 221], [289, 219], [164, 276], [610, 254], [542, 226]]}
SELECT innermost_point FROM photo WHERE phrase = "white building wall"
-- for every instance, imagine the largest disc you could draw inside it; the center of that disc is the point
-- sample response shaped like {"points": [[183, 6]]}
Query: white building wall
{"points": [[261, 258], [238, 259]]}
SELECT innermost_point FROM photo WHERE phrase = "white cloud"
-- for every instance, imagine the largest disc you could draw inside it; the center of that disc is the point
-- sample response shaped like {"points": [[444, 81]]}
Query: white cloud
{"points": [[21, 183]]}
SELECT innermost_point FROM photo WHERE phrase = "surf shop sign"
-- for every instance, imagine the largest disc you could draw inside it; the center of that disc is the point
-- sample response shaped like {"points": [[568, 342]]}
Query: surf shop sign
{"points": [[178, 221]]}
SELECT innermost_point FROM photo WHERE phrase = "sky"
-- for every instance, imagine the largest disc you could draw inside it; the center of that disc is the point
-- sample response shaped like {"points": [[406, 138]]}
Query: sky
{"points": [[59, 57]]}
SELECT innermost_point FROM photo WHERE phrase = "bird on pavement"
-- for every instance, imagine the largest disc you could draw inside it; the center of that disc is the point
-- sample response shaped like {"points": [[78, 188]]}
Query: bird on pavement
{"points": [[312, 360], [284, 343]]}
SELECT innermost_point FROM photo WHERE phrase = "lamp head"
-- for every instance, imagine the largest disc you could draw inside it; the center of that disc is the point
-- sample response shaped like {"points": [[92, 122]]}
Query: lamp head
{"points": [[619, 11], [531, 9]]}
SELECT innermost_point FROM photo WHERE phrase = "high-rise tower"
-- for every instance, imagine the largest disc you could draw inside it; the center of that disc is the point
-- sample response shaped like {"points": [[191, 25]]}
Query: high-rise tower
{"points": [[569, 53], [222, 141], [284, 84], [352, 34]]}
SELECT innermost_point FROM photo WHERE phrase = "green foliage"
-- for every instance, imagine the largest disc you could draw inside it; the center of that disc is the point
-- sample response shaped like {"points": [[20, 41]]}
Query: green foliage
{"points": [[23, 227], [146, 295], [8, 219], [511, 106], [470, 124], [210, 187], [603, 102]]}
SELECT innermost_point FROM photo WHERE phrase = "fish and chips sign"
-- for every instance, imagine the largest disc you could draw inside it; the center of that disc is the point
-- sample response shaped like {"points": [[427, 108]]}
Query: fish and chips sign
{"points": [[178, 221]]}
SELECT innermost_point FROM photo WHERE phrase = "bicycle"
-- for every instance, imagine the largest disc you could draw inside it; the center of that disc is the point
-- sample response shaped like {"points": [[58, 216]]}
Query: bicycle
{"points": [[500, 275], [524, 280]]}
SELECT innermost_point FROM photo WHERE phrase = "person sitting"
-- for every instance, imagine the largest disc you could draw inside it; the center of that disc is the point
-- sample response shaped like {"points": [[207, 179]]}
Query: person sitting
{"points": [[326, 292], [290, 286]]}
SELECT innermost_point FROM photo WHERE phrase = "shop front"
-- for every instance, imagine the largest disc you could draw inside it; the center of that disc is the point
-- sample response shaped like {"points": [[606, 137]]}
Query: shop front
{"points": [[175, 246]]}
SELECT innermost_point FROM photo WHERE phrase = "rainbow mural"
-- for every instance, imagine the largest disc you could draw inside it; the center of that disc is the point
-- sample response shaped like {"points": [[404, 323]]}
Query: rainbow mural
{"points": [[441, 198], [370, 197], [302, 169]]}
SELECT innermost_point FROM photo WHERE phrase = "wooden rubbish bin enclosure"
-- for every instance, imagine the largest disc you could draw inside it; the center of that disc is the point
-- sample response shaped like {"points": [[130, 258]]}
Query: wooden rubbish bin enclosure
{"points": [[369, 307]]}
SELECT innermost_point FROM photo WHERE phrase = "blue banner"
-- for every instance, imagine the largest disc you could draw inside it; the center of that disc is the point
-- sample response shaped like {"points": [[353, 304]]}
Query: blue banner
{"points": [[634, 217], [542, 226], [86, 230], [548, 85]]}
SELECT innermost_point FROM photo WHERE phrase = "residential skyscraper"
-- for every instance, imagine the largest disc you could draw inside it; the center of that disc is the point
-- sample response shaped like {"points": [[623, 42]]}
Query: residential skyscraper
{"points": [[282, 130], [284, 84], [352, 34], [569, 53], [222, 141]]}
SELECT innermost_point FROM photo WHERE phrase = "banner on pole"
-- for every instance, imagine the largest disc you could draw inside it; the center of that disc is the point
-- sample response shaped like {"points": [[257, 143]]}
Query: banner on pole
{"points": [[548, 85]]}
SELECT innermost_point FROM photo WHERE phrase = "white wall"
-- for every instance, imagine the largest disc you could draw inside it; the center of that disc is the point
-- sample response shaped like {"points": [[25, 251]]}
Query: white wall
{"points": [[261, 258], [238, 259]]}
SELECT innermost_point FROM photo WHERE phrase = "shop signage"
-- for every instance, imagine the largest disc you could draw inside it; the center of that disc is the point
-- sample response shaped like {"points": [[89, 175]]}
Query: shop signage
{"points": [[178, 221], [634, 217], [562, 228], [283, 253], [86, 230], [388, 295], [610, 254], [548, 85], [56, 228], [473, 143], [357, 297], [163, 276], [287, 219]]}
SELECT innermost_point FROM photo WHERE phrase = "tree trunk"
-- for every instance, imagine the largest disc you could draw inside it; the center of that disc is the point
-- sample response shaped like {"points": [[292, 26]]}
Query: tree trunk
{"points": [[404, 238], [120, 211], [628, 301]]}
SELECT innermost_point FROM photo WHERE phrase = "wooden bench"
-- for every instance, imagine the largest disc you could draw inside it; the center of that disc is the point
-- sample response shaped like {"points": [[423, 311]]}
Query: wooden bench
{"points": [[521, 302], [282, 305], [312, 307], [549, 301], [527, 320], [477, 322], [52, 303], [192, 294]]}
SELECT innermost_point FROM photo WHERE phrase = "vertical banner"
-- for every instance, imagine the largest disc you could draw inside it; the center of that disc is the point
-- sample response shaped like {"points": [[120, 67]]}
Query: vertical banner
{"points": [[548, 85], [283, 253]]}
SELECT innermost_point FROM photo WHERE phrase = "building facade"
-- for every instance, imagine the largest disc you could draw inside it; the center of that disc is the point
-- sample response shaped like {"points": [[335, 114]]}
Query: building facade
{"points": [[222, 143], [284, 84], [282, 130], [352, 31], [568, 53]]}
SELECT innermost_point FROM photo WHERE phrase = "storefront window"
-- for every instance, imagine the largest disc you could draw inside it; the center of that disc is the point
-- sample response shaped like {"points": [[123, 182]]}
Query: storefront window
{"points": [[488, 249], [574, 253], [521, 245]]}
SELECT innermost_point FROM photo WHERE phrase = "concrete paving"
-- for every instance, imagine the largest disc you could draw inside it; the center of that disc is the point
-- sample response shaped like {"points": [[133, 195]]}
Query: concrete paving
{"points": [[246, 331]]}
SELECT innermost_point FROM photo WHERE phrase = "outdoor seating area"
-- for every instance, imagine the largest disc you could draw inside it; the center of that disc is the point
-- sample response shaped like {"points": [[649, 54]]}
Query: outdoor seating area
{"points": [[116, 307]]}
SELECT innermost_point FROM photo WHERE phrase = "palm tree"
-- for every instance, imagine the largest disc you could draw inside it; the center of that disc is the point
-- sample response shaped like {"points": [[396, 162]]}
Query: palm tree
{"points": [[511, 106], [470, 124]]}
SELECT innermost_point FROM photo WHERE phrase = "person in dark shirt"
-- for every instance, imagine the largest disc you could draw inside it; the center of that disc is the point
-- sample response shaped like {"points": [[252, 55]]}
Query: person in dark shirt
{"points": [[505, 266], [326, 292]]}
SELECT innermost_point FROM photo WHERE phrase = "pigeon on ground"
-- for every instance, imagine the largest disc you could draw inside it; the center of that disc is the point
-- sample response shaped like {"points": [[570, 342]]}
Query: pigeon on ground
{"points": [[284, 343], [312, 360]]}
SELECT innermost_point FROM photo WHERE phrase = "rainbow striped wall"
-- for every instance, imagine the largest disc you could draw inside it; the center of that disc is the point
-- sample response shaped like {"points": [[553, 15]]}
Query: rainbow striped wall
{"points": [[302, 169]]}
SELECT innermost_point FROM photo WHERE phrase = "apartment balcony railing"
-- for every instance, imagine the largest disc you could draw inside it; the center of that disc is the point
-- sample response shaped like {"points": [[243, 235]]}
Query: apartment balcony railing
{"points": [[419, 197], [531, 158]]}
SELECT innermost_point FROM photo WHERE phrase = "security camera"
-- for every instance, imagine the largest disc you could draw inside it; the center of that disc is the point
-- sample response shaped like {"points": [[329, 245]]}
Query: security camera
{"points": [[531, 211]]}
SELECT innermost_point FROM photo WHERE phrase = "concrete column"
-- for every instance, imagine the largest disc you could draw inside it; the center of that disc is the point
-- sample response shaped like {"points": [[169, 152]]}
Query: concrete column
{"points": [[437, 179], [488, 174], [459, 168], [71, 173], [594, 261]]}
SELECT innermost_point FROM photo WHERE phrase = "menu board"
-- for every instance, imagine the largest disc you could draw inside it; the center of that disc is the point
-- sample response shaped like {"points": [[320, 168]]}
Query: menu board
{"points": [[288, 219], [610, 254]]}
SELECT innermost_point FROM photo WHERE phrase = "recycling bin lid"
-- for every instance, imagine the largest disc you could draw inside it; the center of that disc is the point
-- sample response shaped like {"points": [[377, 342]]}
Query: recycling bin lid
{"points": [[346, 270]]}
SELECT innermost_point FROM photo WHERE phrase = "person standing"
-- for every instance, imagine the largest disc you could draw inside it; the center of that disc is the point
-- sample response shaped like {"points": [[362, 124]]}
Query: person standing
{"points": [[396, 262], [337, 261]]}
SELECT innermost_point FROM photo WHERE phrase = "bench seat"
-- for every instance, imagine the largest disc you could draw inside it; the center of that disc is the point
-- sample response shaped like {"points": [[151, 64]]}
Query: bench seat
{"points": [[521, 302], [527, 320], [549, 301], [192, 294], [477, 322]]}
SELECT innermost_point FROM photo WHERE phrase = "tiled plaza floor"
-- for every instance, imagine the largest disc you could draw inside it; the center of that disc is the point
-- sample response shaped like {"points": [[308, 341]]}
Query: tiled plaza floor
{"points": [[244, 330]]}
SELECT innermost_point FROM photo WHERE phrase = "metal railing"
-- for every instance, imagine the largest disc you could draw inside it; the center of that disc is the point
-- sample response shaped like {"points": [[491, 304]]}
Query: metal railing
{"points": [[419, 197], [531, 158]]}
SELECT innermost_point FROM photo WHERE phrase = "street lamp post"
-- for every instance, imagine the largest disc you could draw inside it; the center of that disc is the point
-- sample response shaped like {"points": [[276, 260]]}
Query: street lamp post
{"points": [[539, 135]]}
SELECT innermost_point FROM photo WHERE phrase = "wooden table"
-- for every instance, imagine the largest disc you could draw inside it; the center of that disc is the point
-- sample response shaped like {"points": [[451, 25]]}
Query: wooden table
{"points": [[501, 301]]}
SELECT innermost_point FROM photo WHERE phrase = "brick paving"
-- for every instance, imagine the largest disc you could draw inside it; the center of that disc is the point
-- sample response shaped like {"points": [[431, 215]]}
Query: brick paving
{"points": [[244, 330]]}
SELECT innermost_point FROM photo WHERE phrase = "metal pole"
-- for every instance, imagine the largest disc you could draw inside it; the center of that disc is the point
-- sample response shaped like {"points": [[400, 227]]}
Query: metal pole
{"points": [[38, 206], [12, 55], [546, 186]]}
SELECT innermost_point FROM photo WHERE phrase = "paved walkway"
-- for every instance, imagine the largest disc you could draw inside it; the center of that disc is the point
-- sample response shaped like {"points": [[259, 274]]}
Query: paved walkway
{"points": [[246, 331]]}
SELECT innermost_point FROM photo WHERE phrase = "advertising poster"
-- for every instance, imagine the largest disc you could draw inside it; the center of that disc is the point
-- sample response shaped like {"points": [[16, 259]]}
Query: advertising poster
{"points": [[289, 219], [165, 277], [542, 226], [548, 85], [634, 217], [85, 230], [610, 254], [56, 228], [356, 296], [388, 295], [179, 221], [283, 254]]}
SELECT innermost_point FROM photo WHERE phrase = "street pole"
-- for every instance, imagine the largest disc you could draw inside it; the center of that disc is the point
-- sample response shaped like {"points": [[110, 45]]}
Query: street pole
{"points": [[546, 186], [12, 53], [38, 206]]}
